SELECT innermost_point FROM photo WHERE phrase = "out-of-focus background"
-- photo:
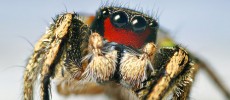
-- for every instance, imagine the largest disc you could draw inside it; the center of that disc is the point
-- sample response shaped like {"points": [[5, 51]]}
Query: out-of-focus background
{"points": [[202, 26]]}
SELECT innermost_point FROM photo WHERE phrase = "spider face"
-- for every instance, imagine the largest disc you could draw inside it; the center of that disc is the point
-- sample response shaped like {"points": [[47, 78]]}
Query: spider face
{"points": [[103, 58], [125, 26]]}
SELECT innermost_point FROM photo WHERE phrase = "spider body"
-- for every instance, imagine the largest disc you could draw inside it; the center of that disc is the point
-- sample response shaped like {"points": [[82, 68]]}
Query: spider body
{"points": [[117, 52]]}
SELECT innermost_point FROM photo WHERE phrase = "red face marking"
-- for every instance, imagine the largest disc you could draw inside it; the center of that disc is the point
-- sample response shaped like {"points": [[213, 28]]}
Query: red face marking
{"points": [[124, 36]]}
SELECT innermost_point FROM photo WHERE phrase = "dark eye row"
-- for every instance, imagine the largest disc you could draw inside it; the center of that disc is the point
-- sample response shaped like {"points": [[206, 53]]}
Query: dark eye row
{"points": [[121, 19]]}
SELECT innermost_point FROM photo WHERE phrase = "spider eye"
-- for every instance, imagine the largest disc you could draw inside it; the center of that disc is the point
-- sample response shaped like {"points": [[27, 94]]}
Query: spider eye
{"points": [[153, 24], [119, 19], [138, 24], [105, 12]]}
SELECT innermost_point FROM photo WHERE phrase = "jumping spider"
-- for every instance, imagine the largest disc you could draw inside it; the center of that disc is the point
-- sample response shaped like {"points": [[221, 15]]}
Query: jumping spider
{"points": [[117, 54]]}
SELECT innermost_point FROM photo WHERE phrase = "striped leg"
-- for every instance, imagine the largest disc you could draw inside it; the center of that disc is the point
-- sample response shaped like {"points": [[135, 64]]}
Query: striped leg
{"points": [[66, 38], [170, 64], [182, 85]]}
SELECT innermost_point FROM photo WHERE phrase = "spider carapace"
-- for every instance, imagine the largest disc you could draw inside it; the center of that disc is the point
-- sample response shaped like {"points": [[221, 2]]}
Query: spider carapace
{"points": [[116, 54], [125, 26]]}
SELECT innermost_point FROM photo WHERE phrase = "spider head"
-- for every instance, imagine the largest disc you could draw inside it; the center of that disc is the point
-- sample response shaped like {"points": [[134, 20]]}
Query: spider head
{"points": [[124, 26]]}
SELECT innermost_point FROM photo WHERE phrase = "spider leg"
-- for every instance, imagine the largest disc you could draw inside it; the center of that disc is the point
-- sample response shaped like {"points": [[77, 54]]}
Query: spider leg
{"points": [[39, 57], [69, 44], [34, 66], [182, 85], [49, 52], [169, 64], [191, 72], [54, 53], [76, 47], [214, 77]]}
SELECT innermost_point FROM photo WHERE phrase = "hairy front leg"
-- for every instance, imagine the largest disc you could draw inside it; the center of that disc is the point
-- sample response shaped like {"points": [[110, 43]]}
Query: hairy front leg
{"points": [[45, 52], [61, 47], [169, 63], [34, 66], [53, 55]]}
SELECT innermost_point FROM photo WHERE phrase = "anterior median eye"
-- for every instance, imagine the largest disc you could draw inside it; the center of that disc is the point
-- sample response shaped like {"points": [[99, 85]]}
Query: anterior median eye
{"points": [[138, 24], [119, 19]]}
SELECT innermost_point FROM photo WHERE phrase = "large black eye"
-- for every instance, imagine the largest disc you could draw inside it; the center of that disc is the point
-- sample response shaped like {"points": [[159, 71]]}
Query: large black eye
{"points": [[138, 24], [119, 19]]}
